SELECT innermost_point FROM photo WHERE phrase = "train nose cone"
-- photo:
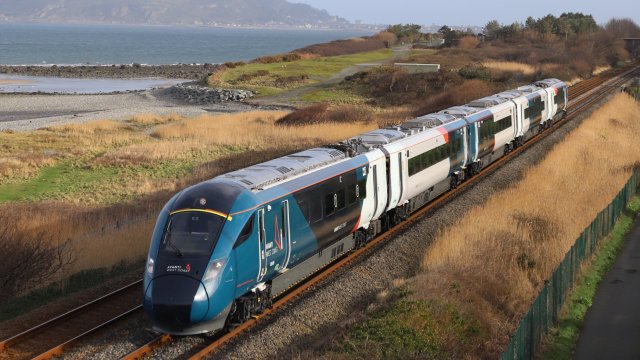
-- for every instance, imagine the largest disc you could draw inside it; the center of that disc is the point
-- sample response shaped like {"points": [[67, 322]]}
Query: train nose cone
{"points": [[172, 301]]}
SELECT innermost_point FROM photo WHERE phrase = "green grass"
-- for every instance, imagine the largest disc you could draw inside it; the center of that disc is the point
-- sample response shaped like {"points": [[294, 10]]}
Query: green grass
{"points": [[318, 69], [409, 329], [335, 96], [563, 338], [76, 178]]}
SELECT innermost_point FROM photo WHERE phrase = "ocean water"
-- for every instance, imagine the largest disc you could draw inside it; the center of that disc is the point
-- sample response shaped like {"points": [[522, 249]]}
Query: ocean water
{"points": [[46, 44]]}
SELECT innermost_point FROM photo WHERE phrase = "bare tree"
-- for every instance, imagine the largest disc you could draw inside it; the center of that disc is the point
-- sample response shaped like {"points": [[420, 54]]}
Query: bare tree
{"points": [[29, 260]]}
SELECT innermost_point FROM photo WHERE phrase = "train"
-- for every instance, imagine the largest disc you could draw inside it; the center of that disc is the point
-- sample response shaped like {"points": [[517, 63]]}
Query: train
{"points": [[222, 249]]}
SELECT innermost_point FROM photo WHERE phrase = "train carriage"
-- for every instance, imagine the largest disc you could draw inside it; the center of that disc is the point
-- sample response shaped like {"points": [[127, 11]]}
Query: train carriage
{"points": [[223, 248]]}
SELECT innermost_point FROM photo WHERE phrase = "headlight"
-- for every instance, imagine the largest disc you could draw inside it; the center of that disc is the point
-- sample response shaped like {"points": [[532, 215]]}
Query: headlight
{"points": [[214, 269], [150, 266]]}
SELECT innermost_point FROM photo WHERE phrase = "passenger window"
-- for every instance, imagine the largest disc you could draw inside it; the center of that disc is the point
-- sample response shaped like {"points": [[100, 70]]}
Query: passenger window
{"points": [[315, 211], [340, 200], [352, 194], [329, 204], [304, 208], [245, 233], [361, 190]]}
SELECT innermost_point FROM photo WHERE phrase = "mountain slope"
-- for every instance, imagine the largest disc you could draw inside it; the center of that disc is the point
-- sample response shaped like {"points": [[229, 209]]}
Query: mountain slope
{"points": [[160, 12]]}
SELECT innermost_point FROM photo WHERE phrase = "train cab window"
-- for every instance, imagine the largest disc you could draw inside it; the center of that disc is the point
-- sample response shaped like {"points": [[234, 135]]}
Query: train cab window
{"points": [[340, 200], [192, 232], [245, 234]]}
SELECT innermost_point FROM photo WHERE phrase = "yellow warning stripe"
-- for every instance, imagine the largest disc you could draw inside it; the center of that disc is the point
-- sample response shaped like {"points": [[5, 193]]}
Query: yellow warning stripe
{"points": [[208, 211]]}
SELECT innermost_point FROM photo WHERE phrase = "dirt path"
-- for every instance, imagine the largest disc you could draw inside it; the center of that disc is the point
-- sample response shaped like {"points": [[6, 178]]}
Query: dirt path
{"points": [[293, 96]]}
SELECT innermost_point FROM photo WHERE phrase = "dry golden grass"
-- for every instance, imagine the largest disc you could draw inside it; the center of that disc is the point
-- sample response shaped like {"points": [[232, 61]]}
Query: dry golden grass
{"points": [[498, 255], [92, 127], [256, 129], [23, 165], [154, 119], [95, 134], [510, 66], [601, 69]]}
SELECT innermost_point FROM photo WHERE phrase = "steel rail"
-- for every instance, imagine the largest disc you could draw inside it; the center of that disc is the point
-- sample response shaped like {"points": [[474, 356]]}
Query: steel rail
{"points": [[59, 349], [29, 333]]}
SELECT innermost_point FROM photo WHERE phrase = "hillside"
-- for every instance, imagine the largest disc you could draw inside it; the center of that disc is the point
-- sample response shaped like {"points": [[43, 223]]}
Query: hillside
{"points": [[169, 12]]}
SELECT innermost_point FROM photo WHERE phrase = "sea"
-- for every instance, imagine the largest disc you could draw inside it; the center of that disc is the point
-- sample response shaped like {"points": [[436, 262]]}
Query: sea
{"points": [[49, 44]]}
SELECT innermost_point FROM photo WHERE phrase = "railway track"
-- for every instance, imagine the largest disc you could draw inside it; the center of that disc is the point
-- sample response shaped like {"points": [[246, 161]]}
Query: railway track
{"points": [[585, 94], [55, 336], [51, 338]]}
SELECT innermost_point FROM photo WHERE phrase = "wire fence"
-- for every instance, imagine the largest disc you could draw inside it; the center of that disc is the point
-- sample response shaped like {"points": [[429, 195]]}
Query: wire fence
{"points": [[545, 309]]}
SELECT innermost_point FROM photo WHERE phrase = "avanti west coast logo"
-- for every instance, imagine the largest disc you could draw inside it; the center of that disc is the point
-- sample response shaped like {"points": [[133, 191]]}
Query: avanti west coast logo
{"points": [[179, 268]]}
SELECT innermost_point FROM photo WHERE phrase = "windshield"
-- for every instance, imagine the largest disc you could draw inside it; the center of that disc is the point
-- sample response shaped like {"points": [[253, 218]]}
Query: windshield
{"points": [[192, 232]]}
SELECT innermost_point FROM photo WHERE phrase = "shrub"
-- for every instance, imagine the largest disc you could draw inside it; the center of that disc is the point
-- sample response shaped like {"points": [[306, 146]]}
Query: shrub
{"points": [[270, 59], [458, 95], [29, 259], [283, 82], [350, 46], [474, 71], [468, 42], [305, 116]]}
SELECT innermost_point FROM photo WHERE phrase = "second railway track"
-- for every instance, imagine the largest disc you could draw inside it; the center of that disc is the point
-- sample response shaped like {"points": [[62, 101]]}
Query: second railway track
{"points": [[51, 338]]}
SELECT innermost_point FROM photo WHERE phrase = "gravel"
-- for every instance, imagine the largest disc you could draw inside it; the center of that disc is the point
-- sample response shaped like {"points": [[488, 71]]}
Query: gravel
{"points": [[119, 341], [30, 112]]}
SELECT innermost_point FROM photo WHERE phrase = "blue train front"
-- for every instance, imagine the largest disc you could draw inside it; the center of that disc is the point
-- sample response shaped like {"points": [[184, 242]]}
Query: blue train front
{"points": [[223, 248], [190, 278]]}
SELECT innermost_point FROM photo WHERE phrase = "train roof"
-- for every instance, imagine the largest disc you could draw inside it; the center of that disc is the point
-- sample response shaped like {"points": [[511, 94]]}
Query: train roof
{"points": [[550, 82], [258, 176], [488, 101], [460, 111], [427, 121], [528, 89], [379, 137]]}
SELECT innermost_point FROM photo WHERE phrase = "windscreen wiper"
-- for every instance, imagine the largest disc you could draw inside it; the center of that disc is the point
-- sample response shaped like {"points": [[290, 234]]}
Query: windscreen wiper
{"points": [[172, 245]]}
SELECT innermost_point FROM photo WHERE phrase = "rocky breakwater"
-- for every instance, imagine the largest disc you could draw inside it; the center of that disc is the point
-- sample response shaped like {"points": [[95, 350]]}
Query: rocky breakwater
{"points": [[132, 71], [198, 94]]}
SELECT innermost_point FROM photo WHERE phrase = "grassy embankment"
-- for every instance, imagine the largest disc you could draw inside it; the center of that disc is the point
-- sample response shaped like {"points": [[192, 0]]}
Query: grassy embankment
{"points": [[274, 78], [481, 275], [98, 186]]}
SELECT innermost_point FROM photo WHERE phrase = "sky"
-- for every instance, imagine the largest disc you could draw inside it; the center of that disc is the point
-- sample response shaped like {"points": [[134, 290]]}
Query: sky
{"points": [[470, 12]]}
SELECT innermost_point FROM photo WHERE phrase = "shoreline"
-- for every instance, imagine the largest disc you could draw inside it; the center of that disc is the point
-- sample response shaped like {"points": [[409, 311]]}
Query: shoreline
{"points": [[123, 71]]}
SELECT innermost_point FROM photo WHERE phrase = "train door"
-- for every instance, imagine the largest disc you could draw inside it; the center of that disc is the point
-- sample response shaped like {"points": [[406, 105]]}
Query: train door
{"points": [[262, 246], [518, 119], [285, 232], [551, 107], [464, 148], [276, 240]]}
